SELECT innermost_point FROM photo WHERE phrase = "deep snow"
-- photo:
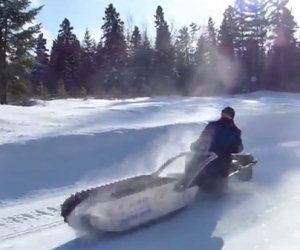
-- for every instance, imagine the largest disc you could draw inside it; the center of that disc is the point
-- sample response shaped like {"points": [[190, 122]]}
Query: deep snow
{"points": [[55, 148]]}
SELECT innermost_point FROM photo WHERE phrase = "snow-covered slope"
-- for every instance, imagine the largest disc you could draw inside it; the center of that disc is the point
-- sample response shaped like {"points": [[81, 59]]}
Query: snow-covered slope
{"points": [[55, 148]]}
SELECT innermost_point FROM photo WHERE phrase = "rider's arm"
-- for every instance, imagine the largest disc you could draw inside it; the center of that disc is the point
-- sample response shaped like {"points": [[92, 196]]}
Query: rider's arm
{"points": [[238, 145], [203, 142]]}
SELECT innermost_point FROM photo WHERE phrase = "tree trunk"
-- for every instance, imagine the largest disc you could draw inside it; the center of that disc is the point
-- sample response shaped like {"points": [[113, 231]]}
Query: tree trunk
{"points": [[3, 88], [3, 62], [3, 77]]}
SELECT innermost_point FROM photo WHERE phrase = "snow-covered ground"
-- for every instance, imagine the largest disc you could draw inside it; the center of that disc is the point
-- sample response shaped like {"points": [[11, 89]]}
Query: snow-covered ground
{"points": [[55, 148]]}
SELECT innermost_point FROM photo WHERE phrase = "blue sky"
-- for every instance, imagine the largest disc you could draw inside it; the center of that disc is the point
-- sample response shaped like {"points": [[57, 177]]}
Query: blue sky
{"points": [[89, 13]]}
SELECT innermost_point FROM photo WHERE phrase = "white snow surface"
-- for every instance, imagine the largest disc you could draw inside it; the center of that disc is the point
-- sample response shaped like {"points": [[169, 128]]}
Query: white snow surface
{"points": [[55, 148]]}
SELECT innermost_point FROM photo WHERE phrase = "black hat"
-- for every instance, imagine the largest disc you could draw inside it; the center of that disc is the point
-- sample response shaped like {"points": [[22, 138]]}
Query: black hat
{"points": [[229, 111]]}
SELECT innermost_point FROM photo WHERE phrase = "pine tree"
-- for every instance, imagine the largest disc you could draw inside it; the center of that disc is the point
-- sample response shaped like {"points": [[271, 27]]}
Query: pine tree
{"points": [[114, 51], [276, 8], [211, 33], [146, 61], [133, 71], [95, 81], [136, 39], [99, 54], [252, 35], [114, 40], [146, 44], [16, 38], [194, 34], [183, 45], [41, 51], [256, 22], [227, 33], [211, 43], [41, 68], [283, 60], [87, 59], [65, 56], [199, 66], [140, 66], [211, 78], [201, 51], [88, 44], [282, 23], [164, 55], [183, 51], [163, 35], [288, 26]]}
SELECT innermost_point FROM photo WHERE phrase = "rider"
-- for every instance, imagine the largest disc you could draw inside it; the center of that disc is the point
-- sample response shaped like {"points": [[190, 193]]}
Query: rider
{"points": [[223, 138]]}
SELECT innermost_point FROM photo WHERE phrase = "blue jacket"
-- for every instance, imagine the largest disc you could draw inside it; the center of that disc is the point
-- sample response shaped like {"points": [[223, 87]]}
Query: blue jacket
{"points": [[221, 137]]}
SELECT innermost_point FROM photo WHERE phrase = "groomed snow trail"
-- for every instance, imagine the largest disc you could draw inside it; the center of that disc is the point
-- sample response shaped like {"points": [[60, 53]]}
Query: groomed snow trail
{"points": [[86, 143]]}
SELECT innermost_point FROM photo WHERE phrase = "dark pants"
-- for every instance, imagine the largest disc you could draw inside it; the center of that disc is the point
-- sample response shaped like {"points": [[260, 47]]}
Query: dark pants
{"points": [[219, 168], [214, 177]]}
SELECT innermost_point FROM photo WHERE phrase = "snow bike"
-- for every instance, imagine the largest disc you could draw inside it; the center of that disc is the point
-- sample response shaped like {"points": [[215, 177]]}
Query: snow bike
{"points": [[131, 202]]}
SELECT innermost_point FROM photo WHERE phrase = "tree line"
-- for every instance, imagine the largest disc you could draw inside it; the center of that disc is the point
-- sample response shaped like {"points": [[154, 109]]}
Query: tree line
{"points": [[254, 48]]}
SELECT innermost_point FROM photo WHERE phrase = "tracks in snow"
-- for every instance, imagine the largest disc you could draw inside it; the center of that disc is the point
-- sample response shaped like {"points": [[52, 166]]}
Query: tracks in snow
{"points": [[22, 219]]}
